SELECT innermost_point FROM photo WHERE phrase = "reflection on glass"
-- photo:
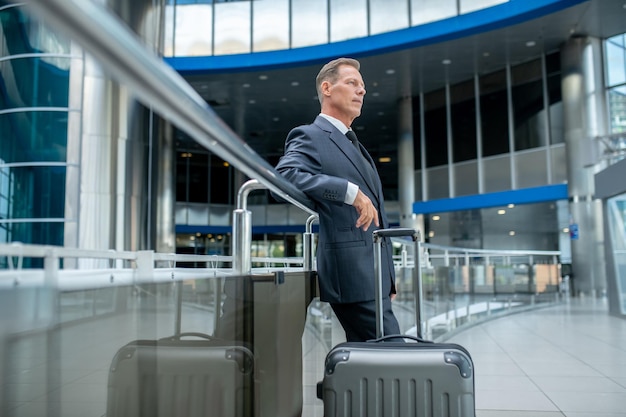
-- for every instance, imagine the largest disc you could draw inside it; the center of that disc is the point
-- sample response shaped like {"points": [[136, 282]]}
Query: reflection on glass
{"points": [[425, 11], [388, 15], [348, 19], [232, 28], [191, 25], [309, 23], [270, 29]]}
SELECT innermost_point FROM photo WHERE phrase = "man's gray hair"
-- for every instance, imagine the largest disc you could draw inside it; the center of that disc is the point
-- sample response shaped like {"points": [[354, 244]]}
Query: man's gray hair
{"points": [[330, 73]]}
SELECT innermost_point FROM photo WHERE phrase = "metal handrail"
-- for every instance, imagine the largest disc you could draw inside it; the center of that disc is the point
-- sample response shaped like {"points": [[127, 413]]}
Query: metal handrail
{"points": [[159, 86]]}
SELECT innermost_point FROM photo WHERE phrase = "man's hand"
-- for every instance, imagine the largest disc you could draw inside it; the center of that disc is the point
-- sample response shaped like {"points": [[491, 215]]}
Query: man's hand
{"points": [[367, 211]]}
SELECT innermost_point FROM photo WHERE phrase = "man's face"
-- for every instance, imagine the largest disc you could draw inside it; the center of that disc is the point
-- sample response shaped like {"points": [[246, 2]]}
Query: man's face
{"points": [[346, 95]]}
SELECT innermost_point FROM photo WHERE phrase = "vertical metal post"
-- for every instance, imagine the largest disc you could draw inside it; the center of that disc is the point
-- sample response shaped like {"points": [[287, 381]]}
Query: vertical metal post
{"points": [[379, 285], [307, 244], [419, 294]]}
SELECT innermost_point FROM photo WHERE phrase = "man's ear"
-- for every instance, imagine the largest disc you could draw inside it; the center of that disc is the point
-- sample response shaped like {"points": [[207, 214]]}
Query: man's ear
{"points": [[326, 88]]}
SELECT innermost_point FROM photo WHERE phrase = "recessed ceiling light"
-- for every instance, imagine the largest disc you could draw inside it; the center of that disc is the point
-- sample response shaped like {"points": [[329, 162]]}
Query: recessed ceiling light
{"points": [[390, 71], [566, 230], [511, 205], [512, 233], [531, 43], [446, 62], [381, 113], [263, 77], [295, 83], [376, 94], [246, 85], [384, 159], [486, 54], [276, 119], [431, 233], [284, 99], [252, 101], [435, 218], [501, 211]]}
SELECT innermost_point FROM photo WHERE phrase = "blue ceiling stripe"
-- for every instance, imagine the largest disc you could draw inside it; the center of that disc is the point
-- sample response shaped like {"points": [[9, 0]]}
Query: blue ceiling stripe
{"points": [[499, 199], [506, 14]]}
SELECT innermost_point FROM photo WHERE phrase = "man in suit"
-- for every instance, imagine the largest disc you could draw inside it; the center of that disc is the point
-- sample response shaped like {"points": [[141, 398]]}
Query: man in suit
{"points": [[340, 177]]}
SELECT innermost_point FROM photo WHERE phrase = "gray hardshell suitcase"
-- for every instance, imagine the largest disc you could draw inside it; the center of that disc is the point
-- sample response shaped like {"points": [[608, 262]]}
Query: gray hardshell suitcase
{"points": [[383, 377], [181, 377]]}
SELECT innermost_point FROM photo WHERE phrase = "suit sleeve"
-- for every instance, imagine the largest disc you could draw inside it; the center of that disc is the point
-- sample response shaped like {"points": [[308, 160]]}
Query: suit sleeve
{"points": [[302, 164]]}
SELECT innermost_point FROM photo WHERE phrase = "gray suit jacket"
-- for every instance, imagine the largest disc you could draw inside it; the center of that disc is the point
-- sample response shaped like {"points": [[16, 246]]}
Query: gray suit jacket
{"points": [[320, 160]]}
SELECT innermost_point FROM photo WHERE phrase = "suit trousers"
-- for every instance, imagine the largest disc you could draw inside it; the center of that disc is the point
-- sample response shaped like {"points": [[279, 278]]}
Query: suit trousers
{"points": [[359, 319]]}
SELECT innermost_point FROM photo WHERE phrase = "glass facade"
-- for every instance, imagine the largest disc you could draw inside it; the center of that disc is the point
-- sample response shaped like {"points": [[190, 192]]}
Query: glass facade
{"points": [[616, 82], [214, 27], [34, 81]]}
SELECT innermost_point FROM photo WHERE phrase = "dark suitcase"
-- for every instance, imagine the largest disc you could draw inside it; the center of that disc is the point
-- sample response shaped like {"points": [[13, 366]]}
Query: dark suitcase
{"points": [[181, 377], [383, 378]]}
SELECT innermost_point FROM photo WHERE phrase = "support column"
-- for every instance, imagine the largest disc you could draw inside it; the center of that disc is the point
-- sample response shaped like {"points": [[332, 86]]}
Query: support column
{"points": [[584, 116], [406, 167]]}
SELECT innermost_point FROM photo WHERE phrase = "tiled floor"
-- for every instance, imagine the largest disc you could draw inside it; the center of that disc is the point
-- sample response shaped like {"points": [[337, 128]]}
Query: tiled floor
{"points": [[565, 360]]}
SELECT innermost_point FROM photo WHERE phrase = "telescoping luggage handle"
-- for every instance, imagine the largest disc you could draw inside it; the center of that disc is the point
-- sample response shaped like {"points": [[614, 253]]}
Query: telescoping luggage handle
{"points": [[378, 236]]}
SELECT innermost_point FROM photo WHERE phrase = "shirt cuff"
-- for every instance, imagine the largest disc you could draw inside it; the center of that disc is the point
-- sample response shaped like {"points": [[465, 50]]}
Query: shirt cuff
{"points": [[351, 193]]}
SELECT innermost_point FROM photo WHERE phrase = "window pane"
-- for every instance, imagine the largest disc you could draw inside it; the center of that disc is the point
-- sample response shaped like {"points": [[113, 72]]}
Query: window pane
{"points": [[616, 63], [232, 28], [497, 173], [309, 23], [271, 25], [559, 164], [466, 178], [438, 186], [472, 5], [424, 11], [198, 181], [493, 102], [39, 233], [221, 185], [531, 169], [193, 26], [417, 133], [348, 19], [43, 136], [37, 83], [32, 192], [463, 111], [388, 15], [436, 128], [528, 112], [557, 134], [617, 109]]}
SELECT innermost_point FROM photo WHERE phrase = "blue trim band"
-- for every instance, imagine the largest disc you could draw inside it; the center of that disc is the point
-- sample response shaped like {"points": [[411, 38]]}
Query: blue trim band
{"points": [[499, 199], [506, 14]]}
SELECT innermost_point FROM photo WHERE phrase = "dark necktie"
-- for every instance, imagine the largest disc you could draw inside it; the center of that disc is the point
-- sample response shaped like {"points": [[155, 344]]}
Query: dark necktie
{"points": [[355, 141]]}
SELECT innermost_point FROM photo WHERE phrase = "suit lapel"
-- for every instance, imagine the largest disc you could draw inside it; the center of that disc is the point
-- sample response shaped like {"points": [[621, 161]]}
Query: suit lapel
{"points": [[362, 162]]}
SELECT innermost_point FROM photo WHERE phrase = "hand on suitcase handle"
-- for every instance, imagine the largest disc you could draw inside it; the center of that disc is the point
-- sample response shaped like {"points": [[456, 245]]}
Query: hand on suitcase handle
{"points": [[396, 232]]}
